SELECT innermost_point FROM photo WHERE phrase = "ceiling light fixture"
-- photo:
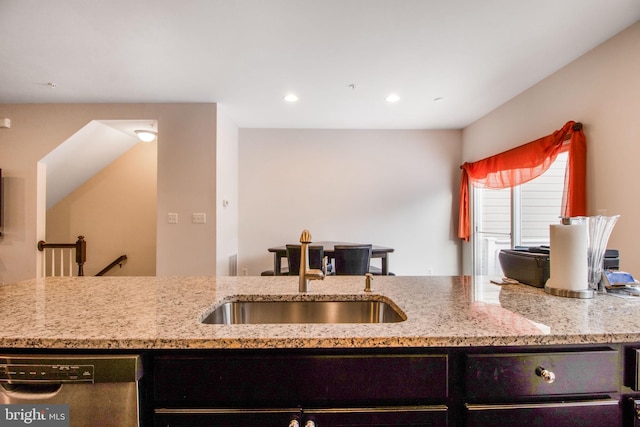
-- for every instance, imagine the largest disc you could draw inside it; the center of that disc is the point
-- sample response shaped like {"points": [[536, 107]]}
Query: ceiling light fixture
{"points": [[438, 98], [291, 98], [392, 98], [146, 135]]}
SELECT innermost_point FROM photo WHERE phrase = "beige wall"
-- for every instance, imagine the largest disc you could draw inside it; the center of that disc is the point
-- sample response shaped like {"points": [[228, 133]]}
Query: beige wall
{"points": [[116, 212], [186, 181], [395, 188], [226, 195], [187, 185], [601, 89]]}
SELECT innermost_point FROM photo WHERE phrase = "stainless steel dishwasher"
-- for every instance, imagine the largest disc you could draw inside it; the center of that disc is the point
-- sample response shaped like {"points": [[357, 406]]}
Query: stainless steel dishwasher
{"points": [[98, 389]]}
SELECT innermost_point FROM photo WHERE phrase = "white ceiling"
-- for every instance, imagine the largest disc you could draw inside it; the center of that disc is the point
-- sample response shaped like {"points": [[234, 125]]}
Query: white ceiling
{"points": [[247, 54]]}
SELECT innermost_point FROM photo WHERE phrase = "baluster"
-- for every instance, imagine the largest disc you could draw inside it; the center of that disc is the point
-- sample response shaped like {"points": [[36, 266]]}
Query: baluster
{"points": [[76, 252], [70, 262], [44, 263]]}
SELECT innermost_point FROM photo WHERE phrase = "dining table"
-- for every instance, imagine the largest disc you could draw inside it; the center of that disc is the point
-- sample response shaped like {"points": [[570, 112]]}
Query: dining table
{"points": [[382, 252]]}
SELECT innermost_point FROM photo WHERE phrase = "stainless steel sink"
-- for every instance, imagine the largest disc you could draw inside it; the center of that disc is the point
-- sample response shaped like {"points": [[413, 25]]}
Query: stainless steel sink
{"points": [[309, 311]]}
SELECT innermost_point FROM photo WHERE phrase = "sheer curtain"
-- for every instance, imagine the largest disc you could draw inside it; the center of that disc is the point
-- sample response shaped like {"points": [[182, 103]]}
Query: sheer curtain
{"points": [[526, 162]]}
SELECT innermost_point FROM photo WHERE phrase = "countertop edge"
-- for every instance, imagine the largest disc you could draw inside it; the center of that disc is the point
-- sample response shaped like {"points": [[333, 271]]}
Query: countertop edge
{"points": [[305, 343]]}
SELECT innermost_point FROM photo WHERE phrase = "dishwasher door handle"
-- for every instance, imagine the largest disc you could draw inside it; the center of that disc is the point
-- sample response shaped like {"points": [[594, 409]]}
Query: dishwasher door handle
{"points": [[30, 391]]}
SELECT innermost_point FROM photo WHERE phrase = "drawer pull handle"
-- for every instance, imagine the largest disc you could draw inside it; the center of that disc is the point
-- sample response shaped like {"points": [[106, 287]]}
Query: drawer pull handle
{"points": [[310, 423], [546, 375], [294, 423]]}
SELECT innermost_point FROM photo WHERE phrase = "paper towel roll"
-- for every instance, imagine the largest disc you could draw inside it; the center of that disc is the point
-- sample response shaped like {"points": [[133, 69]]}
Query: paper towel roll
{"points": [[569, 245]]}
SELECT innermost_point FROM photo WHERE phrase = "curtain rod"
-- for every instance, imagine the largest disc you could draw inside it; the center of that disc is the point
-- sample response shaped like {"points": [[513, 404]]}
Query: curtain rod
{"points": [[577, 127]]}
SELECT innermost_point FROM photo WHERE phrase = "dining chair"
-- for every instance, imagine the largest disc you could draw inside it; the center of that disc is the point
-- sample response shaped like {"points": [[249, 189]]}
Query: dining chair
{"points": [[352, 260], [316, 255]]}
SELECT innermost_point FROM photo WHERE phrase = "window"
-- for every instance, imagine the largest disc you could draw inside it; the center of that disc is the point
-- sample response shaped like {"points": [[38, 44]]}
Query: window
{"points": [[518, 216]]}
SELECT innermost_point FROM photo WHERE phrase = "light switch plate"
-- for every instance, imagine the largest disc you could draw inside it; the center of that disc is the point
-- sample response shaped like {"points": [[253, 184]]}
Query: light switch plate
{"points": [[172, 218], [199, 218]]}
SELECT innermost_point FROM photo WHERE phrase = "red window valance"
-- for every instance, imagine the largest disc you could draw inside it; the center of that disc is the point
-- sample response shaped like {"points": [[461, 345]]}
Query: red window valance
{"points": [[526, 162]]}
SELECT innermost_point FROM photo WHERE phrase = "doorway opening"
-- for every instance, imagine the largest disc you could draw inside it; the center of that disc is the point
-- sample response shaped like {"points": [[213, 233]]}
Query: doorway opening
{"points": [[101, 183]]}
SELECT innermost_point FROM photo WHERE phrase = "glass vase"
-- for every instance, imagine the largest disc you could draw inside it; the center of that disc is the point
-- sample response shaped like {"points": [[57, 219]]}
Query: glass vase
{"points": [[599, 229]]}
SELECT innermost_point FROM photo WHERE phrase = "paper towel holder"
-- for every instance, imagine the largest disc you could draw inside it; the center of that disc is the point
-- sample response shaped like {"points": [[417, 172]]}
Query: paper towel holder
{"points": [[587, 292], [599, 229]]}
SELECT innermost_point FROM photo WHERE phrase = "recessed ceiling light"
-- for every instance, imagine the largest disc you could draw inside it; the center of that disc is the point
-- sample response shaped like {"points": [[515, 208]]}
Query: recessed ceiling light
{"points": [[291, 98], [393, 98], [146, 135]]}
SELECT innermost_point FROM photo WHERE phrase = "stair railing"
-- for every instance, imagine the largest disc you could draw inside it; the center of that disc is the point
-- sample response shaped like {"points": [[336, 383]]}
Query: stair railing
{"points": [[61, 256], [118, 261]]}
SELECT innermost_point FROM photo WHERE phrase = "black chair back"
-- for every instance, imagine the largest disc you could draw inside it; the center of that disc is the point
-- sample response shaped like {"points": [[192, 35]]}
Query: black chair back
{"points": [[352, 260], [316, 254]]}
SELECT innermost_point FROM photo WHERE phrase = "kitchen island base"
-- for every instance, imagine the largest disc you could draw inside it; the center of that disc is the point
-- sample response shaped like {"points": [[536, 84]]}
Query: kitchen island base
{"points": [[388, 387]]}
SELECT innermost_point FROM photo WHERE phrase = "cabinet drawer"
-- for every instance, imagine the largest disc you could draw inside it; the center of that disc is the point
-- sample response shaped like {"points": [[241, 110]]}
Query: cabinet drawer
{"points": [[417, 416], [587, 413], [224, 417], [632, 368], [296, 380], [521, 375]]}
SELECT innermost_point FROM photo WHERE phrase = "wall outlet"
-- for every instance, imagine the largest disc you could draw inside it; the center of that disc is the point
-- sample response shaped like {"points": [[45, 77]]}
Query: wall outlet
{"points": [[429, 271], [199, 218], [245, 271], [172, 218]]}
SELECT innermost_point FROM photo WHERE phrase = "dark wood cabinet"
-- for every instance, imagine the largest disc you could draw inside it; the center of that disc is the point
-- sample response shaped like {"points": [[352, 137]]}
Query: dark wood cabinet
{"points": [[513, 376], [600, 412], [433, 415], [220, 417], [345, 417], [511, 386], [309, 379], [543, 388], [323, 388]]}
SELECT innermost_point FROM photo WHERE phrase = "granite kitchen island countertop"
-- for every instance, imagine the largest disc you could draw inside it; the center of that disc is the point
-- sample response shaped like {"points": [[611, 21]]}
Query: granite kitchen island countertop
{"points": [[165, 313]]}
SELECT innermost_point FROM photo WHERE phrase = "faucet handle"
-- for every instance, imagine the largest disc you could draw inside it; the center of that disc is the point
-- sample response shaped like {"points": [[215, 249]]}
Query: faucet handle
{"points": [[368, 279], [314, 274], [305, 237]]}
